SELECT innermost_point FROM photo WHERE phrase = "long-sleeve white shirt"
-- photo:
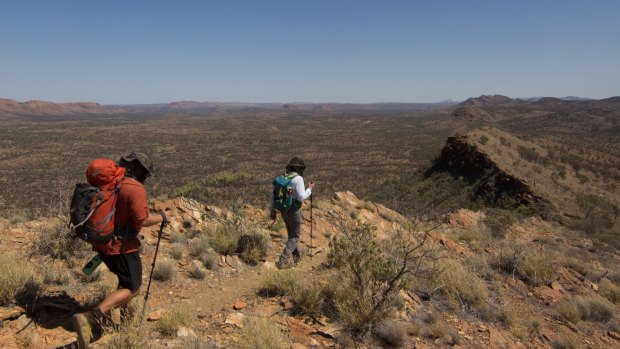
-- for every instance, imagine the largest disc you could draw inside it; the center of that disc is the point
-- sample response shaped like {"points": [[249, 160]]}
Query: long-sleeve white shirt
{"points": [[299, 192]]}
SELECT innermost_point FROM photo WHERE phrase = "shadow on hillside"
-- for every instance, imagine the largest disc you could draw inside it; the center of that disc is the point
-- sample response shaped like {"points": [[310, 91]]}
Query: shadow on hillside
{"points": [[52, 311]]}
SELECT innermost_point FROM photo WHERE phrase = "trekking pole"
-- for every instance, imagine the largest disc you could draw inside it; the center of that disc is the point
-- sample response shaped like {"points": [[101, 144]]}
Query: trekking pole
{"points": [[148, 288], [311, 226]]}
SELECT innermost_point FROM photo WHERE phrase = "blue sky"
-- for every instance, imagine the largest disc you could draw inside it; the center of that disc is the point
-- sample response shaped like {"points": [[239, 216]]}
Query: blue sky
{"points": [[301, 50]]}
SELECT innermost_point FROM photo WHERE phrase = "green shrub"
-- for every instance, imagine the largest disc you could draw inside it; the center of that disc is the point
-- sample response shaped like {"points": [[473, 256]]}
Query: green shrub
{"points": [[498, 221], [225, 237], [17, 280], [226, 178], [372, 272], [194, 190], [252, 247]]}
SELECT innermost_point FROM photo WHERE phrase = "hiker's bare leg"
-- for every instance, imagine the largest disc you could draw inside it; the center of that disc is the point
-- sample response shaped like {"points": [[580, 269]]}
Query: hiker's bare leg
{"points": [[117, 299]]}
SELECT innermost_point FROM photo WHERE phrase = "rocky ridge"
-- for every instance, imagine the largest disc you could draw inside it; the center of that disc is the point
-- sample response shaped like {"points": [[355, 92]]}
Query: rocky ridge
{"points": [[229, 294]]}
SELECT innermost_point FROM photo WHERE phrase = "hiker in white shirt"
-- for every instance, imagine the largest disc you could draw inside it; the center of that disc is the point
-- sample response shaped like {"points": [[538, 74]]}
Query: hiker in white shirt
{"points": [[292, 217]]}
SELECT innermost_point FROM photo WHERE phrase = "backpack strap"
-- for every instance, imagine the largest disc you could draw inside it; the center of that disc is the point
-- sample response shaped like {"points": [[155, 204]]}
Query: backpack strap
{"points": [[99, 202]]}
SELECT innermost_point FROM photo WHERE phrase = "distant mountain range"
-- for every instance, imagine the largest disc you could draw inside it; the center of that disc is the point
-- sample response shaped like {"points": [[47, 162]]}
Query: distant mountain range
{"points": [[10, 107], [472, 107]]}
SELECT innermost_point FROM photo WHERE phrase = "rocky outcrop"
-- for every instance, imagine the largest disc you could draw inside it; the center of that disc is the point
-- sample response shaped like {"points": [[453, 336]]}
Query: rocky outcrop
{"points": [[493, 183]]}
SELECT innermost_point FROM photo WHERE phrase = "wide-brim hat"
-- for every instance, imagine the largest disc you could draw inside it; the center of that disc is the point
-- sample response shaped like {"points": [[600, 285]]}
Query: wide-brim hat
{"points": [[142, 158], [297, 162]]}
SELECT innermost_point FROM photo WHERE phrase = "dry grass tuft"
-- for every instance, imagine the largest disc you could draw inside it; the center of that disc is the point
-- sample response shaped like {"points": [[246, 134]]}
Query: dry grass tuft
{"points": [[193, 342], [595, 309], [98, 294], [566, 342], [164, 270], [610, 290], [125, 337], [57, 276], [462, 289], [176, 251], [281, 282], [567, 310], [261, 333], [57, 241], [585, 308], [198, 247], [577, 265], [306, 298], [18, 282], [172, 320], [209, 260], [472, 235], [224, 238], [178, 238], [534, 267], [197, 272], [390, 333]]}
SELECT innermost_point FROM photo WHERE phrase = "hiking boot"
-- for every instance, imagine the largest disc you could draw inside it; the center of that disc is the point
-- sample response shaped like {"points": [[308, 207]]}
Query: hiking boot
{"points": [[297, 257], [82, 325], [284, 265]]}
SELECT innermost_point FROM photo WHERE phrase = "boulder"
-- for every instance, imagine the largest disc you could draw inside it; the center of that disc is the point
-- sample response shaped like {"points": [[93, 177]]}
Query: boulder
{"points": [[235, 319]]}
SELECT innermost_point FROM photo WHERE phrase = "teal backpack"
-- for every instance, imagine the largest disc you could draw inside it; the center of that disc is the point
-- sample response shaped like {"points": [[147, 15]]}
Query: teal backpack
{"points": [[282, 191]]}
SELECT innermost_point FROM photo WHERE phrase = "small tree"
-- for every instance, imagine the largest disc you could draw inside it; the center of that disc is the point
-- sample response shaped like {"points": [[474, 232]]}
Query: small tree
{"points": [[374, 271]]}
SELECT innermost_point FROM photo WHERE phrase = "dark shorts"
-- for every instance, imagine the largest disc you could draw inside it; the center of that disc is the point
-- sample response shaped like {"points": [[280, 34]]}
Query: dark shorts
{"points": [[127, 267]]}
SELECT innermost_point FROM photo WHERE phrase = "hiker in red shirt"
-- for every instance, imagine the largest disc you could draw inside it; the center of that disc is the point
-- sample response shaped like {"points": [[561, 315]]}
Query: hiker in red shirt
{"points": [[120, 254]]}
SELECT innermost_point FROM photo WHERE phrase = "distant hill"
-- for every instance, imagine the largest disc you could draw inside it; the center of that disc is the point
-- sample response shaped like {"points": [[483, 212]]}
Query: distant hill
{"points": [[11, 107], [567, 98]]}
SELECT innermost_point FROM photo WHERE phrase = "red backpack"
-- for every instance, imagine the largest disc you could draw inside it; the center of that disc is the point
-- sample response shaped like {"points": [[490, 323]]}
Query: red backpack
{"points": [[94, 203]]}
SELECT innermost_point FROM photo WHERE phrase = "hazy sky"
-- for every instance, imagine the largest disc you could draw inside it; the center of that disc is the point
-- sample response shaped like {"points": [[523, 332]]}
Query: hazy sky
{"points": [[307, 50]]}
